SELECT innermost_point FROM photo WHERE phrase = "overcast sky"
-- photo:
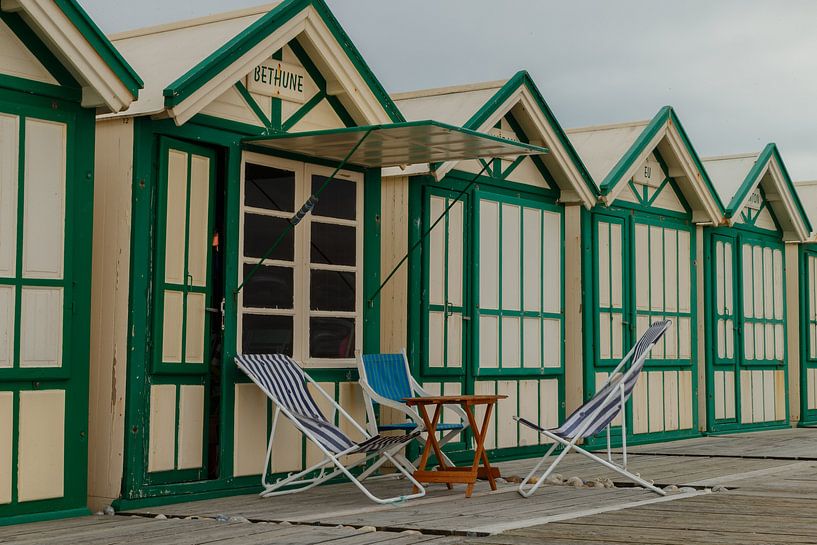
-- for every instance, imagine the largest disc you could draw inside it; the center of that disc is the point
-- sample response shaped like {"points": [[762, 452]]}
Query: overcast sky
{"points": [[740, 73]]}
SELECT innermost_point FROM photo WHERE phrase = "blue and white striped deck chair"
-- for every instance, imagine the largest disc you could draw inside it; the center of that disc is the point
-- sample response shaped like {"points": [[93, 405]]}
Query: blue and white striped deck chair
{"points": [[285, 383], [386, 380], [598, 413]]}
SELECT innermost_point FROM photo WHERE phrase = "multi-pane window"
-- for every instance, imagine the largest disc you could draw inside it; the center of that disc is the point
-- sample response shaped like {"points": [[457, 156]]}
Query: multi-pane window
{"points": [[304, 299], [763, 340], [520, 285]]}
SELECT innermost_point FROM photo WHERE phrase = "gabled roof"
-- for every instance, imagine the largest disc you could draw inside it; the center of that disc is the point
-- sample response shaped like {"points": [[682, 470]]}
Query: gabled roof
{"points": [[807, 192], [107, 80], [187, 65], [612, 154], [480, 106], [737, 176]]}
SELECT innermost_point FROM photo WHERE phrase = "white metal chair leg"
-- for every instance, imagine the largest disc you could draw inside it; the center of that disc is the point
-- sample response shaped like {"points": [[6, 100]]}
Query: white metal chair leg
{"points": [[526, 492]]}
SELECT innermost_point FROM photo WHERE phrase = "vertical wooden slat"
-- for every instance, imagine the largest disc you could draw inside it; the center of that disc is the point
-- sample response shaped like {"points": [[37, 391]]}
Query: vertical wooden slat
{"points": [[6, 442], [655, 389]]}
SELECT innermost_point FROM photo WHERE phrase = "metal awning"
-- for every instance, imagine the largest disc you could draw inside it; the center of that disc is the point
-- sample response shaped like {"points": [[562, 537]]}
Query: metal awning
{"points": [[396, 144]]}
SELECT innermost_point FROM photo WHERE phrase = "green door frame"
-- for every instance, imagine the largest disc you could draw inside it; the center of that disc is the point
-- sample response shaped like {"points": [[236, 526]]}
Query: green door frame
{"points": [[72, 376], [808, 417], [737, 236], [628, 215], [225, 137], [419, 189]]}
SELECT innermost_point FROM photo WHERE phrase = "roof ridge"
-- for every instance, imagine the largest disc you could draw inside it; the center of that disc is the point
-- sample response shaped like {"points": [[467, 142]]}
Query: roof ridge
{"points": [[609, 126], [194, 22], [448, 90], [732, 156]]}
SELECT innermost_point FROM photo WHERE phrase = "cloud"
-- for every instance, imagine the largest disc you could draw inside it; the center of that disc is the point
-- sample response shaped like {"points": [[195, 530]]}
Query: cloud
{"points": [[740, 73]]}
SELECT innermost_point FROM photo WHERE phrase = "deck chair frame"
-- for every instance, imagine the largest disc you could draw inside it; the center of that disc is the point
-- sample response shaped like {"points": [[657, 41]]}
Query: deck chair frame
{"points": [[299, 482], [526, 489], [372, 397]]}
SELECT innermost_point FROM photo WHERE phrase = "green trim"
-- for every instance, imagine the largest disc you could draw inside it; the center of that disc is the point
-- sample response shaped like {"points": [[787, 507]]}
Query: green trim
{"points": [[218, 61], [665, 117], [628, 216], [770, 153], [805, 252], [520, 79], [259, 113], [737, 237], [37, 47], [101, 44], [72, 376]]}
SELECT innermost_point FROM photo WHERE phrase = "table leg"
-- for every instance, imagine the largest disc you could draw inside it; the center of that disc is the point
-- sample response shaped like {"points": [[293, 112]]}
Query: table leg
{"points": [[431, 440], [479, 454]]}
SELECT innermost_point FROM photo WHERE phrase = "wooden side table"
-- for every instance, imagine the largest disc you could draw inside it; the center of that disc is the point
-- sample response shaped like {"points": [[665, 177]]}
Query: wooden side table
{"points": [[451, 475]]}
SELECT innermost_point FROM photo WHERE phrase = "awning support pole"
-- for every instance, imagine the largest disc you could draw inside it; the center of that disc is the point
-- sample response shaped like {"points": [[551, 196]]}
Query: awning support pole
{"points": [[427, 231], [305, 209]]}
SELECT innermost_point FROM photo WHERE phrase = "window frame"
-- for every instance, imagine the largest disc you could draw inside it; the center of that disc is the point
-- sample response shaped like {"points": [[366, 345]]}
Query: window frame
{"points": [[301, 265]]}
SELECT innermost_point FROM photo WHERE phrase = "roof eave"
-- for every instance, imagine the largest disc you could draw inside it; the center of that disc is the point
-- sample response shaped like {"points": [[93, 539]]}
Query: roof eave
{"points": [[108, 81], [186, 95]]}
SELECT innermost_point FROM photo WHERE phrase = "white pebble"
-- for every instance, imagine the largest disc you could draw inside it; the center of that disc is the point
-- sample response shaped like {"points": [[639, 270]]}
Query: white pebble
{"points": [[671, 488], [366, 529], [160, 516], [238, 518], [109, 510]]}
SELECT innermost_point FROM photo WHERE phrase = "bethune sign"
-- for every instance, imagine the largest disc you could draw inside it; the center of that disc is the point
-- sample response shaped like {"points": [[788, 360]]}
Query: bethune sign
{"points": [[278, 79]]}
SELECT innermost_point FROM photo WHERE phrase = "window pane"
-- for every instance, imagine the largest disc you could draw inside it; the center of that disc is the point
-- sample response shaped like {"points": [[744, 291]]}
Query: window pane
{"points": [[338, 200], [269, 287], [333, 244], [266, 334], [332, 290], [332, 337], [270, 188], [259, 234]]}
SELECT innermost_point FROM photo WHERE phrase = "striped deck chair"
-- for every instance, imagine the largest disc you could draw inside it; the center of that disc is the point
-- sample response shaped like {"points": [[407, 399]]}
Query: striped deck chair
{"points": [[386, 380], [597, 414], [283, 381]]}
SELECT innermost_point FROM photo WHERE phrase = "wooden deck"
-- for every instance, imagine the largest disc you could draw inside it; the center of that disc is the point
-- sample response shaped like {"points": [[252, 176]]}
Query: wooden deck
{"points": [[765, 491]]}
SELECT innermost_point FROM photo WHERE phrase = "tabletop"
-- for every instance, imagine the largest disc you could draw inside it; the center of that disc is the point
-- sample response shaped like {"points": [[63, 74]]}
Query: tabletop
{"points": [[459, 399]]}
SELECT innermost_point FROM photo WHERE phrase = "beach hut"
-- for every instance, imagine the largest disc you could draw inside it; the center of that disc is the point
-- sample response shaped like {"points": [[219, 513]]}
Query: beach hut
{"points": [[801, 275], [745, 263], [244, 117], [490, 301], [643, 263], [56, 71]]}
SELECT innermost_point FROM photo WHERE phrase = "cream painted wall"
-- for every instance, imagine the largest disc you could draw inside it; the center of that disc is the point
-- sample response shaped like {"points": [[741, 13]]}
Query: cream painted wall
{"points": [[109, 309], [574, 361], [793, 329], [701, 327]]}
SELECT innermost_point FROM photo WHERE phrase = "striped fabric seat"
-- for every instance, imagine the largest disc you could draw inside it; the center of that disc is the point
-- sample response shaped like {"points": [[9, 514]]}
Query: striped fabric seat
{"points": [[284, 382], [610, 405]]}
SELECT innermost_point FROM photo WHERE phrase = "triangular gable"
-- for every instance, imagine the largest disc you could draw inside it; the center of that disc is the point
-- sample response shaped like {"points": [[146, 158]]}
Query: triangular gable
{"points": [[652, 187], [231, 46], [18, 61], [601, 150], [311, 107], [511, 109], [64, 30], [766, 183], [757, 213]]}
